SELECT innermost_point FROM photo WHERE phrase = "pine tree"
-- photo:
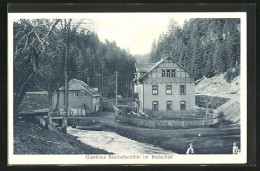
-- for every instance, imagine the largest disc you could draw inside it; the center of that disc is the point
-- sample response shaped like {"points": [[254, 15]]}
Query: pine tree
{"points": [[209, 72], [197, 60], [228, 45], [203, 46], [218, 63], [153, 52]]}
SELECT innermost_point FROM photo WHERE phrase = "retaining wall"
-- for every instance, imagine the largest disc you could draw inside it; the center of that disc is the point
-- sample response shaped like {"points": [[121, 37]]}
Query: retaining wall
{"points": [[170, 114], [168, 124]]}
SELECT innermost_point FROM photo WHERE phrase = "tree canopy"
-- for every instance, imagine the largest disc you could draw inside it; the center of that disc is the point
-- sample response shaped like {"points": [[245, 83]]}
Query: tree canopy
{"points": [[39, 52], [205, 46]]}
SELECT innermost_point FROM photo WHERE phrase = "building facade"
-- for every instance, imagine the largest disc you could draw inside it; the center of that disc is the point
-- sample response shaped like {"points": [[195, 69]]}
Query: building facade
{"points": [[164, 88], [82, 99]]}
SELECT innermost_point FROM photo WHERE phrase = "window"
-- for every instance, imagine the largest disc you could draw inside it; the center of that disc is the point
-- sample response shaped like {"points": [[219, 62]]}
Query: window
{"points": [[85, 94], [168, 89], [155, 89], [183, 105], [169, 105], [163, 73], [76, 94], [173, 73], [155, 105], [182, 89], [168, 73]]}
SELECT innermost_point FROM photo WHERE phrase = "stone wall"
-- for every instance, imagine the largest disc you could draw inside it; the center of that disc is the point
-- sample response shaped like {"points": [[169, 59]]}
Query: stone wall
{"points": [[167, 124]]}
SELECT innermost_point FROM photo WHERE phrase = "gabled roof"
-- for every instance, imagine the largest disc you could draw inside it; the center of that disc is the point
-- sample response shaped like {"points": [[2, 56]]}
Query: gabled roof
{"points": [[75, 84], [144, 67], [159, 62]]}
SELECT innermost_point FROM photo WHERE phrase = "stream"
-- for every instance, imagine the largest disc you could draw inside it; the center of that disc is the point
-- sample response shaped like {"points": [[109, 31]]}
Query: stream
{"points": [[114, 143]]}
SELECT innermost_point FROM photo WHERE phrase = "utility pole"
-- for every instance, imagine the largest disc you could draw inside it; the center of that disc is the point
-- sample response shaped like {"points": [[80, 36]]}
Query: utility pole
{"points": [[67, 29], [116, 93]]}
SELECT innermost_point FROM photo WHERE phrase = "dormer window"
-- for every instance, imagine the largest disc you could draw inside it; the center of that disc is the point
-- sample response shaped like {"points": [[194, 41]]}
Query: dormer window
{"points": [[163, 73], [173, 73], [168, 73]]}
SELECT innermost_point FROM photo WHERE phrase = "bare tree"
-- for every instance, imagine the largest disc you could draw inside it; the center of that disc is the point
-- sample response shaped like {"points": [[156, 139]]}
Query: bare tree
{"points": [[67, 27], [30, 40]]}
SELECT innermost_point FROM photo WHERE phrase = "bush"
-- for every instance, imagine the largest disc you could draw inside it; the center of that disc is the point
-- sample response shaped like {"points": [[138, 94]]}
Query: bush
{"points": [[200, 112], [225, 123], [202, 101], [231, 74]]}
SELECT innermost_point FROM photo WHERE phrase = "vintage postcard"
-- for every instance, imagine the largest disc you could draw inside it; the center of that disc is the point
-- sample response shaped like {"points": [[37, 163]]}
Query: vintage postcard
{"points": [[127, 88]]}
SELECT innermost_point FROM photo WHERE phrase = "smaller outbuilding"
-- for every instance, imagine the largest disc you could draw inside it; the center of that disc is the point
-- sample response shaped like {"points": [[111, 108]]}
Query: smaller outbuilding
{"points": [[82, 99]]}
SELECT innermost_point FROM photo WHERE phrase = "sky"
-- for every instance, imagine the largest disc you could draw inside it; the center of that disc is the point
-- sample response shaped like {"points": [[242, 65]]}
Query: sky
{"points": [[133, 32]]}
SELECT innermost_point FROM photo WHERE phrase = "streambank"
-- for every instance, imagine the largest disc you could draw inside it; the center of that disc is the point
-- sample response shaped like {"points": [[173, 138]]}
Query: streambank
{"points": [[29, 138], [206, 140], [114, 143]]}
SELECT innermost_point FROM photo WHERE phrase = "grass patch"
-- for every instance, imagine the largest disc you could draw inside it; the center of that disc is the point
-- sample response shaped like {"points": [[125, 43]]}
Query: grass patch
{"points": [[205, 140]]}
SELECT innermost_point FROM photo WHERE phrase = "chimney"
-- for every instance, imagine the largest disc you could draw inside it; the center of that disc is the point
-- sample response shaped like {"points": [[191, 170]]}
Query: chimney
{"points": [[95, 90]]}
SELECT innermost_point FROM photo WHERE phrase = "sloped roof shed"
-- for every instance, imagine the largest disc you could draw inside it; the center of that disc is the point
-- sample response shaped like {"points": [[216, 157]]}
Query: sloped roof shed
{"points": [[75, 85]]}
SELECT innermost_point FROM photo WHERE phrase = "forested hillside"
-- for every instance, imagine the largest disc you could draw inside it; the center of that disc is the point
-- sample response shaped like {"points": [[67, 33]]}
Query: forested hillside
{"points": [[44, 50], [204, 46], [41, 46]]}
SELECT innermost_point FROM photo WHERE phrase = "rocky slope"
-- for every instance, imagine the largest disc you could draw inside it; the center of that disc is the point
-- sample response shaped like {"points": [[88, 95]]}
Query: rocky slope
{"points": [[217, 86]]}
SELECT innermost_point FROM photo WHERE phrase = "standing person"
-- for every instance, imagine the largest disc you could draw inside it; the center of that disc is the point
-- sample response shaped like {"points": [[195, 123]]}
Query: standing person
{"points": [[190, 150], [235, 148]]}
